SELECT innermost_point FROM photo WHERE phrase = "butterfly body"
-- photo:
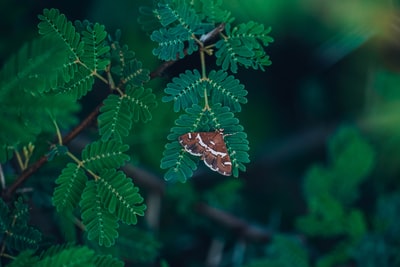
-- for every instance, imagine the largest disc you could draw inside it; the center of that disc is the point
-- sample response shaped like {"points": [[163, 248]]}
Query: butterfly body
{"points": [[210, 146]]}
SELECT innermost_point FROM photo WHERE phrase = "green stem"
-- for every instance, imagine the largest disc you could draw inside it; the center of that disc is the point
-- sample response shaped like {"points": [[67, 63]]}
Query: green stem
{"points": [[204, 76], [203, 64], [58, 132], [72, 156], [80, 163]]}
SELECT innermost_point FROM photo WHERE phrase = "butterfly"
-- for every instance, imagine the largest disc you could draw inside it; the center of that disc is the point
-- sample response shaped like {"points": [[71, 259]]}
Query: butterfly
{"points": [[210, 146]]}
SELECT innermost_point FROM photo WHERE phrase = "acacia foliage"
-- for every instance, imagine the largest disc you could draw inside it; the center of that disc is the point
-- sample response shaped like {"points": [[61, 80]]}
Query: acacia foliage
{"points": [[208, 99]]}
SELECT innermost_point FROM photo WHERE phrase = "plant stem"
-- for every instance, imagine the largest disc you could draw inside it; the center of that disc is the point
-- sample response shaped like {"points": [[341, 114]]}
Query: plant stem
{"points": [[40, 162], [204, 76]]}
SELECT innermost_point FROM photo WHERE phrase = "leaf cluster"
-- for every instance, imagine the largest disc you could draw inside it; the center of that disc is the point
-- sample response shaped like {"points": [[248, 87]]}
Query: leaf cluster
{"points": [[330, 190], [64, 255], [187, 25], [107, 198], [208, 99], [16, 234], [63, 65], [284, 251], [89, 54], [134, 245], [28, 104], [180, 164]]}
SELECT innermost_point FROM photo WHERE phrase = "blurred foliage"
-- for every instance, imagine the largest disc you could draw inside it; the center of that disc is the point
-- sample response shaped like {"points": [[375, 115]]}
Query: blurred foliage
{"points": [[283, 251]]}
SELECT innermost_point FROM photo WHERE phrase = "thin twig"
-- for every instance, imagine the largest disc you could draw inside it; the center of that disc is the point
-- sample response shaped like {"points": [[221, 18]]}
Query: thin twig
{"points": [[203, 39], [7, 194], [239, 226]]}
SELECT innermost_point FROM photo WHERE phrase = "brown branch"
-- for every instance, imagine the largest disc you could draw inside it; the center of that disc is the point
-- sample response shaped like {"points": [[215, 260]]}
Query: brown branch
{"points": [[7, 194], [239, 226], [158, 72]]}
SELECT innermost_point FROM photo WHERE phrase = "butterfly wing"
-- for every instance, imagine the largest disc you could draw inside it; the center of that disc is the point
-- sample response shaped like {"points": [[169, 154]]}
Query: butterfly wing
{"points": [[212, 149]]}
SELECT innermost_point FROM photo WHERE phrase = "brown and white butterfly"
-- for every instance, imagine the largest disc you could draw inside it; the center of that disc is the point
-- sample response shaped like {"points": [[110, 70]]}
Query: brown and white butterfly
{"points": [[210, 146]]}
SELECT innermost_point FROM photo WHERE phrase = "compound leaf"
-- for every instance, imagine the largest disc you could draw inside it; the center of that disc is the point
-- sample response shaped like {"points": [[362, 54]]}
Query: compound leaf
{"points": [[119, 196], [78, 86], [71, 183], [95, 48], [180, 164], [133, 73], [101, 155], [244, 46], [23, 237], [25, 258], [55, 25], [72, 256], [185, 90], [107, 261], [171, 43], [226, 90], [180, 14], [141, 102], [115, 120], [4, 216], [214, 13], [100, 224]]}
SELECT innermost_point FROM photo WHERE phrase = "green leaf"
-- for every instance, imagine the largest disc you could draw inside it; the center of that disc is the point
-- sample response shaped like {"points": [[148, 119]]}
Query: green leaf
{"points": [[226, 90], [181, 24], [352, 159], [326, 218], [95, 48], [118, 112], [171, 43], [34, 68], [55, 25], [143, 242], [5, 218], [356, 225], [244, 46], [20, 213], [25, 258], [141, 102], [23, 237], [283, 252], [190, 87], [107, 261], [115, 120], [119, 196], [102, 155], [78, 86], [25, 83], [351, 155], [16, 233], [73, 256], [132, 73], [214, 13], [290, 252], [185, 90], [124, 63], [180, 164], [100, 224], [149, 18], [180, 14], [71, 184]]}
